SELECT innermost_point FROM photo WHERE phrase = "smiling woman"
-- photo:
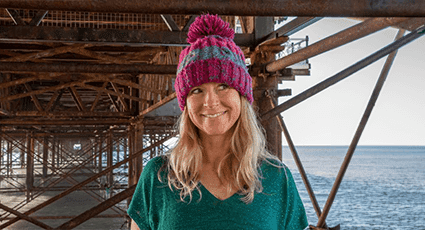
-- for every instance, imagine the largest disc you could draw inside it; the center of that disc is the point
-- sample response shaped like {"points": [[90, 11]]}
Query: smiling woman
{"points": [[219, 175], [214, 108]]}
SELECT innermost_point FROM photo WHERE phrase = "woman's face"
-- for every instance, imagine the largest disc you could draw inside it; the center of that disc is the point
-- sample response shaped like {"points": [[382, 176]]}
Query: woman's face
{"points": [[214, 108]]}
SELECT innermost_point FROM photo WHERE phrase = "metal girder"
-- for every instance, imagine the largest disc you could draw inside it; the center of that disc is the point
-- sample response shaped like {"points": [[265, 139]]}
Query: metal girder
{"points": [[348, 35], [333, 8], [18, 67], [168, 19], [35, 21], [104, 36], [25, 217], [16, 17], [344, 74], [293, 26], [98, 209], [85, 182], [53, 122], [359, 131]]}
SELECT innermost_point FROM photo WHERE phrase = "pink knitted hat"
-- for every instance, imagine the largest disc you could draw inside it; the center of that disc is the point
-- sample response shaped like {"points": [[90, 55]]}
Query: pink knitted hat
{"points": [[212, 56]]}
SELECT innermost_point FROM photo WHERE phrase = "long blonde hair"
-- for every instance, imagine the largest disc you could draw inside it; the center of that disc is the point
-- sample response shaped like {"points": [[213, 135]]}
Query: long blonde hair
{"points": [[239, 167]]}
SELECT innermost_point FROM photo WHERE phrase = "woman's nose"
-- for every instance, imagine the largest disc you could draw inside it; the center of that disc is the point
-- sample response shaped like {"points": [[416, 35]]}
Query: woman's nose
{"points": [[211, 99]]}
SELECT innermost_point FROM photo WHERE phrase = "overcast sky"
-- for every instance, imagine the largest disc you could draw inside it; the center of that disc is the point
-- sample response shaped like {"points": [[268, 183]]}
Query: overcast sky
{"points": [[332, 116]]}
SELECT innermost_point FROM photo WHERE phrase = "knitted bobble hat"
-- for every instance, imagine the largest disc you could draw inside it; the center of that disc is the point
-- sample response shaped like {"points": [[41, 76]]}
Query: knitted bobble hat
{"points": [[212, 56]]}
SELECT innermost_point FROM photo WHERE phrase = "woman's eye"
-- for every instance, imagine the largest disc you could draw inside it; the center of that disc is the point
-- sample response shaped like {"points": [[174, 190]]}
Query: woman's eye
{"points": [[195, 91], [223, 86]]}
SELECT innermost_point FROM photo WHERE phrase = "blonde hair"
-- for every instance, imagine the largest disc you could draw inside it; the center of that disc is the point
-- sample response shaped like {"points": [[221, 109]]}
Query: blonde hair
{"points": [[239, 167]]}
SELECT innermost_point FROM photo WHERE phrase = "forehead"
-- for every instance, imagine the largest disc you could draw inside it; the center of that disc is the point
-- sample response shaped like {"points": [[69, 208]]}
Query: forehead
{"points": [[210, 84]]}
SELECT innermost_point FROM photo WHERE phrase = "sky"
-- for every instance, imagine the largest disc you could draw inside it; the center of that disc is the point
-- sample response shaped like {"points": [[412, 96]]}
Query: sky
{"points": [[331, 117]]}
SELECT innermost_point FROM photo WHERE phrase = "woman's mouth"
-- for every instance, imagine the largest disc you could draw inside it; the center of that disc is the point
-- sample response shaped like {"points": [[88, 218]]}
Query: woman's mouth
{"points": [[213, 115]]}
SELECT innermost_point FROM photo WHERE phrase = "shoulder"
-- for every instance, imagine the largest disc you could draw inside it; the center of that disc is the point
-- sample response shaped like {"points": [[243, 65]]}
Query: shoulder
{"points": [[273, 169], [271, 164], [153, 166]]}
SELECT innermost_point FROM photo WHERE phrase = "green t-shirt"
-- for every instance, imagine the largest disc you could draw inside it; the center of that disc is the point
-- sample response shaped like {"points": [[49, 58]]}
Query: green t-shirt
{"points": [[155, 206]]}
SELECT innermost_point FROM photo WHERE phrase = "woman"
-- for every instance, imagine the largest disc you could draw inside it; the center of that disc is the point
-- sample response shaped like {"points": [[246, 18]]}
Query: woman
{"points": [[219, 175]]}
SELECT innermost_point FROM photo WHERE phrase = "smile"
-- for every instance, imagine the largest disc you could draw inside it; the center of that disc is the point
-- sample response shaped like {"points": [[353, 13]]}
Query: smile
{"points": [[214, 115]]}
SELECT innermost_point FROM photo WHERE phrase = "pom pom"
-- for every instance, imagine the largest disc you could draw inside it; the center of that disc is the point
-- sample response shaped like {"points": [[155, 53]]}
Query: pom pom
{"points": [[206, 25]]}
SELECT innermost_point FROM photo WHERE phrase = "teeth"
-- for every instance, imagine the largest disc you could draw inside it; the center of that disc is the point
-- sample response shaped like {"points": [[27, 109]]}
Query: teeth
{"points": [[214, 115]]}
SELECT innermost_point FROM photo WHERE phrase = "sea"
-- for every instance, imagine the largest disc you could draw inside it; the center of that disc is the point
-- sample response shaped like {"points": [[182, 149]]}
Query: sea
{"points": [[383, 187]]}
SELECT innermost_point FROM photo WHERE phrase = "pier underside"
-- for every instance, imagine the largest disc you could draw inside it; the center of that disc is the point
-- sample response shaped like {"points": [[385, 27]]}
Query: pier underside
{"points": [[87, 98]]}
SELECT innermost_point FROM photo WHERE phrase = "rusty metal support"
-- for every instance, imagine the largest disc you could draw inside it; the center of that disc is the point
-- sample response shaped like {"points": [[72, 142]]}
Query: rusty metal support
{"points": [[30, 165], [85, 182], [158, 104], [98, 209], [16, 67], [105, 36], [55, 122], [36, 20], [109, 149], [16, 17], [341, 38], [293, 26], [45, 155], [171, 24], [333, 8], [25, 217], [344, 74], [297, 161], [359, 131]]}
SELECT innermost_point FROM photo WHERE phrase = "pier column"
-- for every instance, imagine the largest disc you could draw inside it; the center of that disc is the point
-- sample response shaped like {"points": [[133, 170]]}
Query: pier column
{"points": [[109, 150], [1, 153], [45, 155], [53, 151], [137, 145], [30, 165], [22, 152], [265, 87], [9, 159], [99, 144]]}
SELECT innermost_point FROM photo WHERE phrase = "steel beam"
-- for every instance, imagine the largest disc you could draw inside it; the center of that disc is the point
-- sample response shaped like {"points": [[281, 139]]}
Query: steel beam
{"points": [[344, 74], [341, 38], [359, 131], [334, 8], [54, 122], [25, 217], [17, 67], [85, 182], [293, 26], [98, 209], [103, 36]]}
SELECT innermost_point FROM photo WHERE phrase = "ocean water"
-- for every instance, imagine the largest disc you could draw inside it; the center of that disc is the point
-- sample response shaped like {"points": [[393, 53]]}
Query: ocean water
{"points": [[383, 187]]}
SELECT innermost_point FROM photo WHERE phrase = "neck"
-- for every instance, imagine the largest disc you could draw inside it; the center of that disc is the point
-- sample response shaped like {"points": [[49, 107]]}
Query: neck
{"points": [[215, 148]]}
